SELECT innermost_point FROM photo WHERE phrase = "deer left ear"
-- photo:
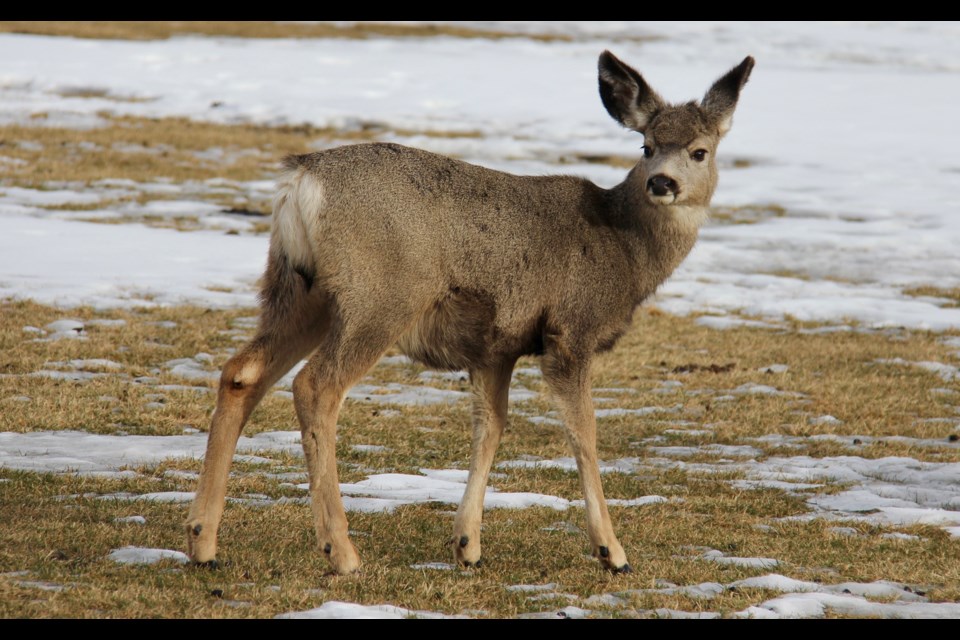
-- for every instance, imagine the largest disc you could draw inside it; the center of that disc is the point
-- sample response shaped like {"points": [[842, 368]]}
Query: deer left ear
{"points": [[721, 100]]}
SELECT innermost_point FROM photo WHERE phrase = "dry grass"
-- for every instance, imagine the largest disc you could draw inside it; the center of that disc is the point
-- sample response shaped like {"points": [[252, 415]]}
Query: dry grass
{"points": [[163, 29], [176, 150], [273, 567], [144, 149], [749, 214], [951, 297], [271, 563]]}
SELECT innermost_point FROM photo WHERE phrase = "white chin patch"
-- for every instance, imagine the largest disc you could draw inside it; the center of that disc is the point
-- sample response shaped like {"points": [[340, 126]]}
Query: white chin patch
{"points": [[670, 198]]}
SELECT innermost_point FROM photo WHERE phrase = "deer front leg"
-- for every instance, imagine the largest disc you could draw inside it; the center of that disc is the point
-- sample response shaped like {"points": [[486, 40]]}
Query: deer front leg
{"points": [[571, 386], [491, 390]]}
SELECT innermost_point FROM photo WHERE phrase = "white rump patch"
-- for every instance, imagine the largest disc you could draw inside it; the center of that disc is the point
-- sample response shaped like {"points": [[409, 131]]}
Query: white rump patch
{"points": [[296, 210]]}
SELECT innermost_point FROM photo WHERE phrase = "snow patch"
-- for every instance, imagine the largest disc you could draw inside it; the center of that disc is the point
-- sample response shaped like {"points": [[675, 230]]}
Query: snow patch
{"points": [[142, 555]]}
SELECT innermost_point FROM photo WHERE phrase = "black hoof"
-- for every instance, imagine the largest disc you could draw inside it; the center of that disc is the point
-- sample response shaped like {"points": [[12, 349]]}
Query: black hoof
{"points": [[212, 565], [467, 564], [624, 569]]}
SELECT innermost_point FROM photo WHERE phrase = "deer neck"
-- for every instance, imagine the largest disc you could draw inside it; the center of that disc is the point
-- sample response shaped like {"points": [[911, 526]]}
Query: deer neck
{"points": [[664, 234]]}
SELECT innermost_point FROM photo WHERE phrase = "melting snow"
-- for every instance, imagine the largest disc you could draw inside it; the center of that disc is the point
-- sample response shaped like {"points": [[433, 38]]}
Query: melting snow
{"points": [[336, 610], [141, 555]]}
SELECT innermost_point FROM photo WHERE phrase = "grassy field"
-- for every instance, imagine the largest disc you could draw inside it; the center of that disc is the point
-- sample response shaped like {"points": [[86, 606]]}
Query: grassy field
{"points": [[57, 530]]}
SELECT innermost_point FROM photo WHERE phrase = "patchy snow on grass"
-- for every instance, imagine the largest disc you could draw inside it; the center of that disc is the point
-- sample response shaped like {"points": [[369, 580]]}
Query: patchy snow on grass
{"points": [[142, 555], [759, 563], [43, 586], [843, 241], [532, 588], [131, 520], [946, 372], [816, 605], [397, 489], [78, 451], [402, 394], [642, 411], [433, 566], [335, 609], [891, 491], [803, 599]]}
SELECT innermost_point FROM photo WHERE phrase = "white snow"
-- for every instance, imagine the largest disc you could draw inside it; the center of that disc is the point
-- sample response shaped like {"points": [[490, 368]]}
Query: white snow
{"points": [[752, 388], [125, 265], [434, 566], [945, 371], [131, 520], [335, 609], [43, 586], [385, 492], [78, 451], [369, 448], [775, 582], [858, 226], [856, 231], [402, 394], [142, 555], [760, 563], [550, 586], [815, 605], [156, 496], [891, 491], [774, 368], [642, 411]]}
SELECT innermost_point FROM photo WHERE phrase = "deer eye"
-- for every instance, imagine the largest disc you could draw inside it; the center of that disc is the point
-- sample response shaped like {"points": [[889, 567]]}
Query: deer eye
{"points": [[699, 155], [647, 151]]}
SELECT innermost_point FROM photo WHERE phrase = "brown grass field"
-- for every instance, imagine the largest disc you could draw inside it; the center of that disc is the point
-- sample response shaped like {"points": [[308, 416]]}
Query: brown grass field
{"points": [[56, 531]]}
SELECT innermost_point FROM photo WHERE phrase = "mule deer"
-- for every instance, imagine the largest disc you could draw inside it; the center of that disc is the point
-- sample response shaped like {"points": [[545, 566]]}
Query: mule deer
{"points": [[463, 267]]}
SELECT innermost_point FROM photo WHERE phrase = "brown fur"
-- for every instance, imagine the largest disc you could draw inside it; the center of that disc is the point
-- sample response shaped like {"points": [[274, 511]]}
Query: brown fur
{"points": [[463, 268]]}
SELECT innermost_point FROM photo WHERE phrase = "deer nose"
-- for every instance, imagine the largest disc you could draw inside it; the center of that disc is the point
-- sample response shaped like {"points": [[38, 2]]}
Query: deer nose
{"points": [[661, 185]]}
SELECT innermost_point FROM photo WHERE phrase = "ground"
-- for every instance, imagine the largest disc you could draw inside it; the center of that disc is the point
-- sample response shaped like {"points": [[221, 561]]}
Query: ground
{"points": [[778, 431]]}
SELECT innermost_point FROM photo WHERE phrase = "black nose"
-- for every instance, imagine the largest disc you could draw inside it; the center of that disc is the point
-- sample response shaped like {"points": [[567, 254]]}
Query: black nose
{"points": [[661, 185]]}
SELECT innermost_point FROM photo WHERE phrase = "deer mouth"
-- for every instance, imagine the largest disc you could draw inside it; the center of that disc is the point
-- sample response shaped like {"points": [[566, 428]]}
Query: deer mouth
{"points": [[662, 200]]}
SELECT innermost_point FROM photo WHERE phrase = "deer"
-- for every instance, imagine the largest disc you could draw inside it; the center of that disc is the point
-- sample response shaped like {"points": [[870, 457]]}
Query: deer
{"points": [[462, 267]]}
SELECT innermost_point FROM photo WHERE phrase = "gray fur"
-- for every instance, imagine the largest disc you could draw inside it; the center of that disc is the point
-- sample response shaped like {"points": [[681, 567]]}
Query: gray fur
{"points": [[468, 268]]}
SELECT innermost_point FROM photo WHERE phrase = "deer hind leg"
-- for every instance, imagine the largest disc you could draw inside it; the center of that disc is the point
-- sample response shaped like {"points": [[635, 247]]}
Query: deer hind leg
{"points": [[245, 380], [570, 384], [318, 392], [491, 388]]}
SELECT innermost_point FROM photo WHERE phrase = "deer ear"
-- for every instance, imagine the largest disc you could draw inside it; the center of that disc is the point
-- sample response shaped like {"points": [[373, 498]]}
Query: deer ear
{"points": [[721, 100], [626, 95]]}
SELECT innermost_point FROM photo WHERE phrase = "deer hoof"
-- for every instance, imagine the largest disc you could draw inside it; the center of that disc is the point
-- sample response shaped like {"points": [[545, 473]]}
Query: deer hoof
{"points": [[624, 569], [344, 559]]}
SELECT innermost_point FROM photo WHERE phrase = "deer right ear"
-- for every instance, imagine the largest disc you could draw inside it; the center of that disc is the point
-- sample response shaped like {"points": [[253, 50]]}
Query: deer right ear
{"points": [[626, 95]]}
